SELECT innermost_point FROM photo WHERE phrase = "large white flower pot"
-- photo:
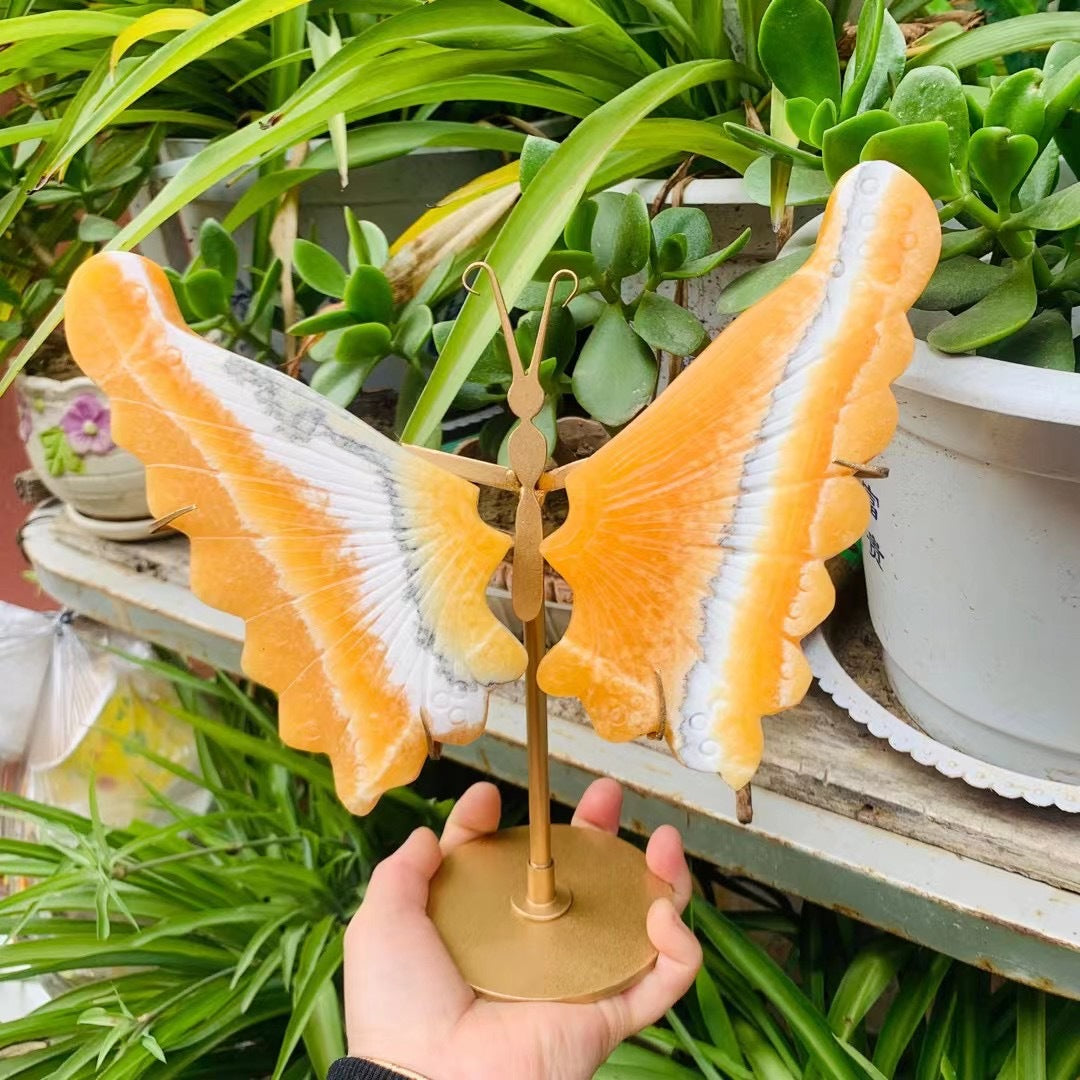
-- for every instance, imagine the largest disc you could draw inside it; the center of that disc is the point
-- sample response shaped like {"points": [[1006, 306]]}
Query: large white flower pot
{"points": [[972, 559]]}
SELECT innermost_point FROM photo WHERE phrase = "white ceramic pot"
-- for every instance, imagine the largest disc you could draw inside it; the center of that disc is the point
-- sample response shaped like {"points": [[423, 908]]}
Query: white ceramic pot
{"points": [[972, 559], [67, 429]]}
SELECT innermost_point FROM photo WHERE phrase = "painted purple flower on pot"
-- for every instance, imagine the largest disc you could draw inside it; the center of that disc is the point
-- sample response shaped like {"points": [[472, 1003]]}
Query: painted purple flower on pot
{"points": [[87, 425]]}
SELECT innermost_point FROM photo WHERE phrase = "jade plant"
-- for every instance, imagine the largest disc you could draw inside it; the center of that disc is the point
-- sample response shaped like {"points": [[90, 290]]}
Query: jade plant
{"points": [[603, 343], [349, 319], [354, 312], [988, 150], [213, 300]]}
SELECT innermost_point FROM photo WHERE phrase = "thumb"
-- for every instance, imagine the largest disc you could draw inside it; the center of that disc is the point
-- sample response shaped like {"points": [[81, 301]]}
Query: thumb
{"points": [[400, 883], [676, 966]]}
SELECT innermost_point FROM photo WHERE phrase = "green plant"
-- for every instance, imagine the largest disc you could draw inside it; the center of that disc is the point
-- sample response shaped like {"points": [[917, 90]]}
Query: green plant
{"points": [[214, 942], [210, 946], [417, 58], [62, 223], [989, 150], [209, 292], [594, 69], [352, 322], [363, 323], [847, 1004], [581, 163], [603, 343]]}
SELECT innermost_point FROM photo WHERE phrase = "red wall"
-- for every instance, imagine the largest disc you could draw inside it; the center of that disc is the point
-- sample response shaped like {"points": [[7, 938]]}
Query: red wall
{"points": [[13, 586]]}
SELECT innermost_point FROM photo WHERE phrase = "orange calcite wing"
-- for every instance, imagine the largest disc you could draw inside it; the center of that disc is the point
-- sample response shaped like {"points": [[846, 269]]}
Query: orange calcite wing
{"points": [[696, 538], [359, 568]]}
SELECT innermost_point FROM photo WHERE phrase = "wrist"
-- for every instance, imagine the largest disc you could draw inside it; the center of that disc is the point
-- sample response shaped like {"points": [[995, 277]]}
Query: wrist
{"points": [[367, 1068], [401, 1070]]}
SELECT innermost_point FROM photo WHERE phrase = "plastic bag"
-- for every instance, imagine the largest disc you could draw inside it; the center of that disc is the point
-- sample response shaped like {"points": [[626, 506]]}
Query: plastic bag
{"points": [[73, 714]]}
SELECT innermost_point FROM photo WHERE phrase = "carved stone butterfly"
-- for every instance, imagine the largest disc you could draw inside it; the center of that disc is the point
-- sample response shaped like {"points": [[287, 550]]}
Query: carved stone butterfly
{"points": [[694, 546]]}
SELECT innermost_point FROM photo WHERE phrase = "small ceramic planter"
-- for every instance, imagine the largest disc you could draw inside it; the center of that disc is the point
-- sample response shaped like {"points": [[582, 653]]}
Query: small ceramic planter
{"points": [[67, 429]]}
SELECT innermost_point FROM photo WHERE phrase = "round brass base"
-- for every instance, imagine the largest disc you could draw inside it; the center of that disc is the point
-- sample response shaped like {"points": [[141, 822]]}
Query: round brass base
{"points": [[595, 949]]}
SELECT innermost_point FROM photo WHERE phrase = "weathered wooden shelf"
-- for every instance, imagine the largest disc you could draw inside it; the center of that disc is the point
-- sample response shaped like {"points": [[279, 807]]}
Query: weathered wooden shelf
{"points": [[839, 817]]}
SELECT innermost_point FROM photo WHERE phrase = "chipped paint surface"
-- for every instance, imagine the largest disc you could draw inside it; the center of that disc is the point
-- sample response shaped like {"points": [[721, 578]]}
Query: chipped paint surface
{"points": [[900, 735]]}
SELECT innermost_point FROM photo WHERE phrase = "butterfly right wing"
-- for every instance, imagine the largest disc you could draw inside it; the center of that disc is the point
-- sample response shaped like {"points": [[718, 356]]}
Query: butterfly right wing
{"points": [[696, 538]]}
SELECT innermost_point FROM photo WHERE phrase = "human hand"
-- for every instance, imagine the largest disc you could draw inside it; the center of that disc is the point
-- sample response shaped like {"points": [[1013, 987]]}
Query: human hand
{"points": [[406, 1005]]}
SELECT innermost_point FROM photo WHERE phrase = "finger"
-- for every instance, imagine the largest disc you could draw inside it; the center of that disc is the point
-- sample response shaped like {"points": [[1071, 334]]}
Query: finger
{"points": [[676, 966], [666, 859], [600, 806], [400, 882], [475, 814]]}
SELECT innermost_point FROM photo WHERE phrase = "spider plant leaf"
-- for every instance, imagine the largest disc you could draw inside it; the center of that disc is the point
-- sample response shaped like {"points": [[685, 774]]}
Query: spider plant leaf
{"points": [[969, 1041], [866, 979], [765, 1061], [368, 145], [324, 1037], [1030, 1033], [323, 46], [690, 1046], [715, 1015], [306, 991], [762, 973], [191, 44], [936, 1039], [153, 22], [82, 25], [918, 992], [1002, 38], [270, 964]]}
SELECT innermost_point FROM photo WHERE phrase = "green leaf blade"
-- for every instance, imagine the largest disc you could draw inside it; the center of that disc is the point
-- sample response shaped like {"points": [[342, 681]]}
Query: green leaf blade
{"points": [[615, 375], [537, 220], [798, 51], [319, 269], [1003, 311], [665, 325]]}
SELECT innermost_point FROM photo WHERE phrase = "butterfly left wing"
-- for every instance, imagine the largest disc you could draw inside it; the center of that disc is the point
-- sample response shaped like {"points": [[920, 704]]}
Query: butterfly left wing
{"points": [[359, 567], [696, 538]]}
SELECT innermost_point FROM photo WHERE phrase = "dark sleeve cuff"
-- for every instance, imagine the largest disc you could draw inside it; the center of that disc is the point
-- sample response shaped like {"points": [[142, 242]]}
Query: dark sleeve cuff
{"points": [[358, 1069]]}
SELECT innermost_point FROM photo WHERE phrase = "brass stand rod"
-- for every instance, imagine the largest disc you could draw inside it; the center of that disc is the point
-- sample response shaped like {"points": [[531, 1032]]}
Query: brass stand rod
{"points": [[540, 888]]}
